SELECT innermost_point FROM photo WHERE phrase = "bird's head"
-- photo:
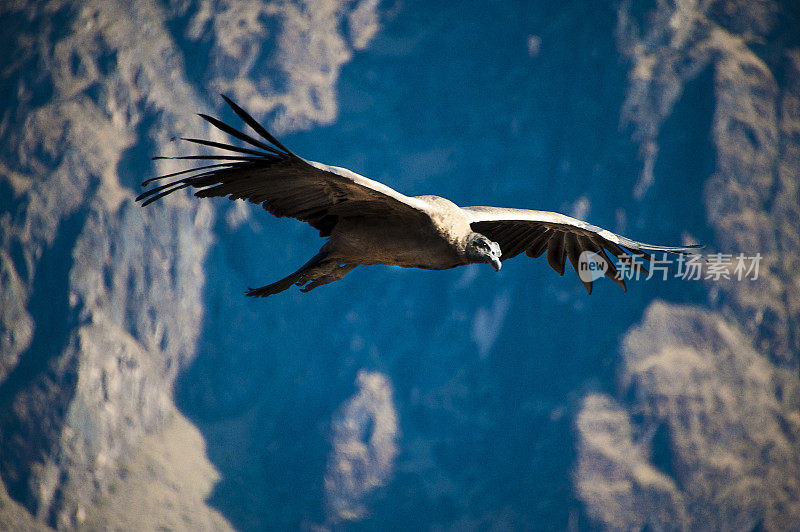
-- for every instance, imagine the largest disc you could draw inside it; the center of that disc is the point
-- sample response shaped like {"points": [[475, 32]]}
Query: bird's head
{"points": [[481, 249]]}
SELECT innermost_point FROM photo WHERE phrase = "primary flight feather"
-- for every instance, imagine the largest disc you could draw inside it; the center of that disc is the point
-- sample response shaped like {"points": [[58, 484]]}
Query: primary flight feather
{"points": [[367, 222]]}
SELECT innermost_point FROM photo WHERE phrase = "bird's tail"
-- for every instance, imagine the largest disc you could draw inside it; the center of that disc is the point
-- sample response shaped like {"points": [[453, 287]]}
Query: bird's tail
{"points": [[316, 272], [289, 280]]}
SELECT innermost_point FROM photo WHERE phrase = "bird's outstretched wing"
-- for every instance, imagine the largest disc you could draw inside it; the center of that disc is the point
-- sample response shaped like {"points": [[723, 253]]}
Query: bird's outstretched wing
{"points": [[534, 232], [267, 173]]}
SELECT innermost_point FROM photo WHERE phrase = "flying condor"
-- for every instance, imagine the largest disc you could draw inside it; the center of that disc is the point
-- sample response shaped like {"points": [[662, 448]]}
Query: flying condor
{"points": [[367, 222]]}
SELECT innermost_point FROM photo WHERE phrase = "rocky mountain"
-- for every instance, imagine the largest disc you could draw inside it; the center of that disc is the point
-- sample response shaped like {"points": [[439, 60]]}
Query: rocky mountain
{"points": [[140, 389], [705, 433]]}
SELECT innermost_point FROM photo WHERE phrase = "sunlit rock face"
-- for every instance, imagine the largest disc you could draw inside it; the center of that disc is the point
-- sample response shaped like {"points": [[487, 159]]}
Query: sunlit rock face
{"points": [[708, 437], [708, 406], [750, 199], [100, 300], [364, 434], [96, 372]]}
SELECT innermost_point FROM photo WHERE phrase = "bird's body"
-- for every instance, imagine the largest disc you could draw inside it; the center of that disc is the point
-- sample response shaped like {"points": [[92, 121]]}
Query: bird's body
{"points": [[381, 240], [370, 223]]}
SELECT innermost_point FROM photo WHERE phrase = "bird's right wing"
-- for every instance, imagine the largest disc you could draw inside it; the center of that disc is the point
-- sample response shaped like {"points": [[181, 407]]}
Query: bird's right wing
{"points": [[534, 232], [267, 173]]}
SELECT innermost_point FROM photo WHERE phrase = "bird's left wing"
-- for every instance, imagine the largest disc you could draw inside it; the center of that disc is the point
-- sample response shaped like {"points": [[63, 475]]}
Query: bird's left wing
{"points": [[534, 232], [265, 172]]}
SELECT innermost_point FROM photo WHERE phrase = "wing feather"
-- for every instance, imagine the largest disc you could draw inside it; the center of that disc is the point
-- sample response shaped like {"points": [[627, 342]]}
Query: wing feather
{"points": [[563, 237], [539, 245], [521, 241], [595, 244], [223, 146], [173, 174], [572, 248], [577, 244], [253, 123], [556, 253], [267, 173]]}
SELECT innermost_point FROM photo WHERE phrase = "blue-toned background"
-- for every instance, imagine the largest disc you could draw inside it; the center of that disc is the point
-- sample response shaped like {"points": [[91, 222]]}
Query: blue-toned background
{"points": [[140, 388]]}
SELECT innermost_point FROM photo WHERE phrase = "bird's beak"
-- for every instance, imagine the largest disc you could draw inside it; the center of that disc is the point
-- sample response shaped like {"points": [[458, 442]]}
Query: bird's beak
{"points": [[496, 264]]}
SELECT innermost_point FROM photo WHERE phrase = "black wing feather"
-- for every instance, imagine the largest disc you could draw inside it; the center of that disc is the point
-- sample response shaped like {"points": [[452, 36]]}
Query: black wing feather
{"points": [[539, 245], [281, 182], [252, 122], [222, 146], [173, 174], [238, 134], [563, 241], [555, 253]]}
